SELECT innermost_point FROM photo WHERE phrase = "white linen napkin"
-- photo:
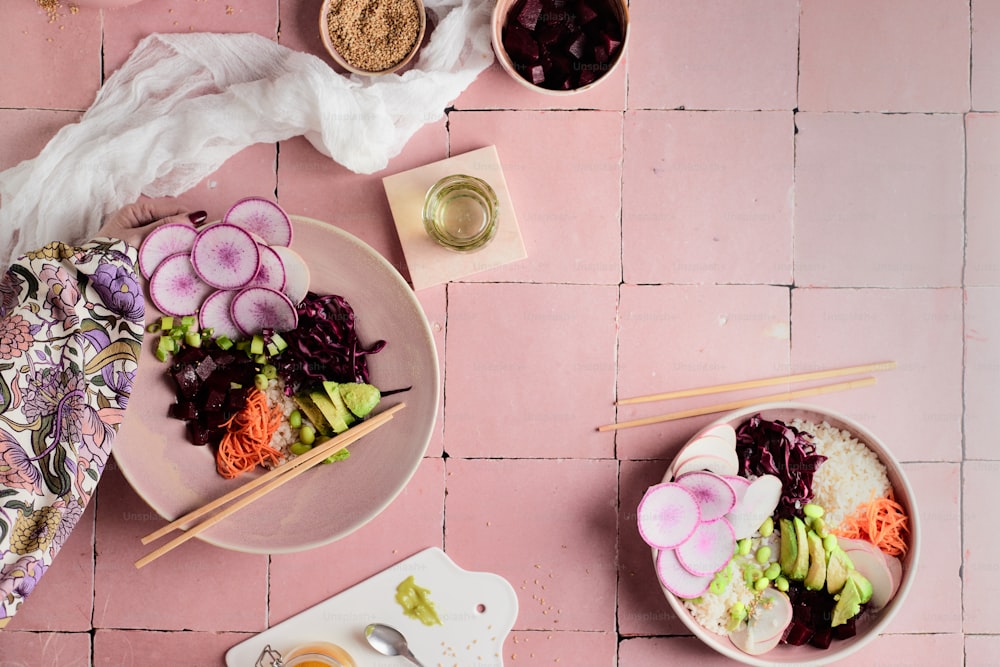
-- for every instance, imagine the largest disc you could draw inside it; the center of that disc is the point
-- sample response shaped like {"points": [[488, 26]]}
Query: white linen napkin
{"points": [[182, 104]]}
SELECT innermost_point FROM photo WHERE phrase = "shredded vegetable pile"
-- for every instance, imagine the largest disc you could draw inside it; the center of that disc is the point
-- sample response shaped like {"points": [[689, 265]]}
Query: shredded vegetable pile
{"points": [[881, 521], [775, 448], [247, 441], [324, 345]]}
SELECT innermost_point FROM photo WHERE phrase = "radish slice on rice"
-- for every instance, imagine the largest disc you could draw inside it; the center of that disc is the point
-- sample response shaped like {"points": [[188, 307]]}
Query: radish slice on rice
{"points": [[709, 549], [257, 308], [759, 501], [676, 579], [296, 274], [262, 217], [163, 242], [176, 288], [225, 256], [272, 270], [715, 496], [214, 315], [667, 515]]}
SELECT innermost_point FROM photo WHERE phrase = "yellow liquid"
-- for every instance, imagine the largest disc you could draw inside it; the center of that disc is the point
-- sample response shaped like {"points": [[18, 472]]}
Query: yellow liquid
{"points": [[312, 655], [462, 217]]}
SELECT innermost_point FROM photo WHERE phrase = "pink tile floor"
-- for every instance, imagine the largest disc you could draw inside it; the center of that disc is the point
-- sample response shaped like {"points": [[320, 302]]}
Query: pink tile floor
{"points": [[787, 184]]}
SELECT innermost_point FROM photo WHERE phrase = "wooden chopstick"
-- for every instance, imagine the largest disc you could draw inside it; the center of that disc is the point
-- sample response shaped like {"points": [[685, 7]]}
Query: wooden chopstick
{"points": [[268, 481], [742, 403], [764, 382]]}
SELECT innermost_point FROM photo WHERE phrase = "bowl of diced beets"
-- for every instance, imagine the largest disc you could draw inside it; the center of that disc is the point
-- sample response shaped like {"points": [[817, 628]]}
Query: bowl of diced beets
{"points": [[560, 47], [807, 606]]}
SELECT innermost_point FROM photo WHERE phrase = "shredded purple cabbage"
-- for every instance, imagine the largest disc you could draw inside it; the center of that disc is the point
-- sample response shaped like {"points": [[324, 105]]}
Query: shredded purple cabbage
{"points": [[324, 345], [775, 448]]}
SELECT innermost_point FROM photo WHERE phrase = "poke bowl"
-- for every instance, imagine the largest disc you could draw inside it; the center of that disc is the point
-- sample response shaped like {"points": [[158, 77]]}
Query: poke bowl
{"points": [[804, 542]]}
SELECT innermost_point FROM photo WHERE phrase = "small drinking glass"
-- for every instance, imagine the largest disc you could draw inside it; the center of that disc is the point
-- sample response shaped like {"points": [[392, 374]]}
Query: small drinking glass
{"points": [[460, 212]]}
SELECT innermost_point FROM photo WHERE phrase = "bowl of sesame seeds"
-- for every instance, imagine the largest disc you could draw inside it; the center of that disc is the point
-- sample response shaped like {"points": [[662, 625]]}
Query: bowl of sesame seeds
{"points": [[372, 37]]}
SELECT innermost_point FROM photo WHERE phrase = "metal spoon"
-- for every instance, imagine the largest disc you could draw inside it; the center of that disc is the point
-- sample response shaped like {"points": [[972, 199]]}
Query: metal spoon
{"points": [[388, 640]]}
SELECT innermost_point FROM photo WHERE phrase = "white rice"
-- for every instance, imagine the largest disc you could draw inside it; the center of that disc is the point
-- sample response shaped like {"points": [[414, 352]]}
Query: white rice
{"points": [[851, 476]]}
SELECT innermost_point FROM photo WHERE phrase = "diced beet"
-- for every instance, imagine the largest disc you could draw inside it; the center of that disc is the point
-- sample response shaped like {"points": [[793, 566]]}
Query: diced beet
{"points": [[548, 33], [198, 434], [520, 45], [536, 75], [205, 368], [528, 13], [215, 420], [586, 77], [183, 410], [215, 400], [601, 55], [846, 630], [798, 633], [577, 46], [821, 638], [187, 379], [585, 12]]}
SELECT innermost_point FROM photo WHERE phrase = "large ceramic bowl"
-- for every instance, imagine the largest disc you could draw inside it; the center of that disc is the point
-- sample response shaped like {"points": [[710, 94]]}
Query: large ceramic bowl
{"points": [[330, 501], [869, 625]]}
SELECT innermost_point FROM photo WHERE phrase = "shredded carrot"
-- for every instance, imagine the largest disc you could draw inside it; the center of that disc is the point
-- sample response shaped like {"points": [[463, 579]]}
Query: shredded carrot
{"points": [[247, 442], [881, 521]]}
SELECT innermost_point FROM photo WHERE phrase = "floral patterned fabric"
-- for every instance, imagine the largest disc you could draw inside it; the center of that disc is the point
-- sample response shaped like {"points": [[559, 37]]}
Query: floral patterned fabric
{"points": [[71, 325]]}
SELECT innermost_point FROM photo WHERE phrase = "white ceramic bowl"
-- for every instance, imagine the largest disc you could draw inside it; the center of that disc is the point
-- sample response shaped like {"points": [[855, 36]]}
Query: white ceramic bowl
{"points": [[869, 626]]}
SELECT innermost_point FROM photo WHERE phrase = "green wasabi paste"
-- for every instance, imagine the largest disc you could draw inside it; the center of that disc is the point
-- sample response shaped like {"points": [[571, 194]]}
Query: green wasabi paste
{"points": [[416, 602]]}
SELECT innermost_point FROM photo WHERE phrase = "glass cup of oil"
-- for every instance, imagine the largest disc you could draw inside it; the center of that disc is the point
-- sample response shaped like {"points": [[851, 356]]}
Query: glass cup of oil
{"points": [[460, 213]]}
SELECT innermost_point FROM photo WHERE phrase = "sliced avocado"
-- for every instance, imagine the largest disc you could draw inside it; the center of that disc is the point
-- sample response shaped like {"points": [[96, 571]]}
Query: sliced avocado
{"points": [[332, 390], [837, 568], [864, 586], [313, 414], [816, 576], [329, 410], [360, 398], [789, 546], [801, 565], [848, 603]]}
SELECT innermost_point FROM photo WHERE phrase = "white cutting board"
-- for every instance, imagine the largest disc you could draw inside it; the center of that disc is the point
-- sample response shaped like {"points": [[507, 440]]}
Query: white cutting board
{"points": [[477, 611]]}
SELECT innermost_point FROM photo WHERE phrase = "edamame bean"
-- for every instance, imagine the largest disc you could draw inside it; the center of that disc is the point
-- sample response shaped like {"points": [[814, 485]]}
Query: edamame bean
{"points": [[761, 584], [766, 528], [763, 555], [772, 571], [295, 419], [812, 510], [299, 448], [830, 542], [744, 546], [738, 611], [307, 434], [820, 527], [781, 584]]}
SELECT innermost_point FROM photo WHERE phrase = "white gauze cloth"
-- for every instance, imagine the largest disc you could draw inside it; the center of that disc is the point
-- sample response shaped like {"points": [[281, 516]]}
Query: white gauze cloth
{"points": [[184, 103]]}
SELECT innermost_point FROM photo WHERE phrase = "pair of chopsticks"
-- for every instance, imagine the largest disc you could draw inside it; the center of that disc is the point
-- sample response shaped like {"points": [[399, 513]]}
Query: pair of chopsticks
{"points": [[752, 384], [260, 486]]}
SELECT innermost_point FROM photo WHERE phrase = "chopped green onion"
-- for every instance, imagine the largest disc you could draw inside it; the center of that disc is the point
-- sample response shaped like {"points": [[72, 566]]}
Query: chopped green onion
{"points": [[223, 342]]}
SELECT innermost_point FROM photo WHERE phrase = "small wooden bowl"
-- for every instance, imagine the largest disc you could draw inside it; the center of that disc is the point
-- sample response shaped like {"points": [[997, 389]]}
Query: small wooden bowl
{"points": [[324, 34]]}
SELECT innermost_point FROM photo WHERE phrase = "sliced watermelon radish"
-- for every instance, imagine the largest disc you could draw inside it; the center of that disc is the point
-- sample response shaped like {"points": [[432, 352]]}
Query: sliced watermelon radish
{"points": [[667, 515], [162, 242], [176, 288], [296, 273], [257, 308], [869, 560], [214, 315], [225, 256], [676, 579], [758, 502], [714, 495], [739, 484], [766, 625], [714, 449], [262, 217], [272, 270], [709, 549]]}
